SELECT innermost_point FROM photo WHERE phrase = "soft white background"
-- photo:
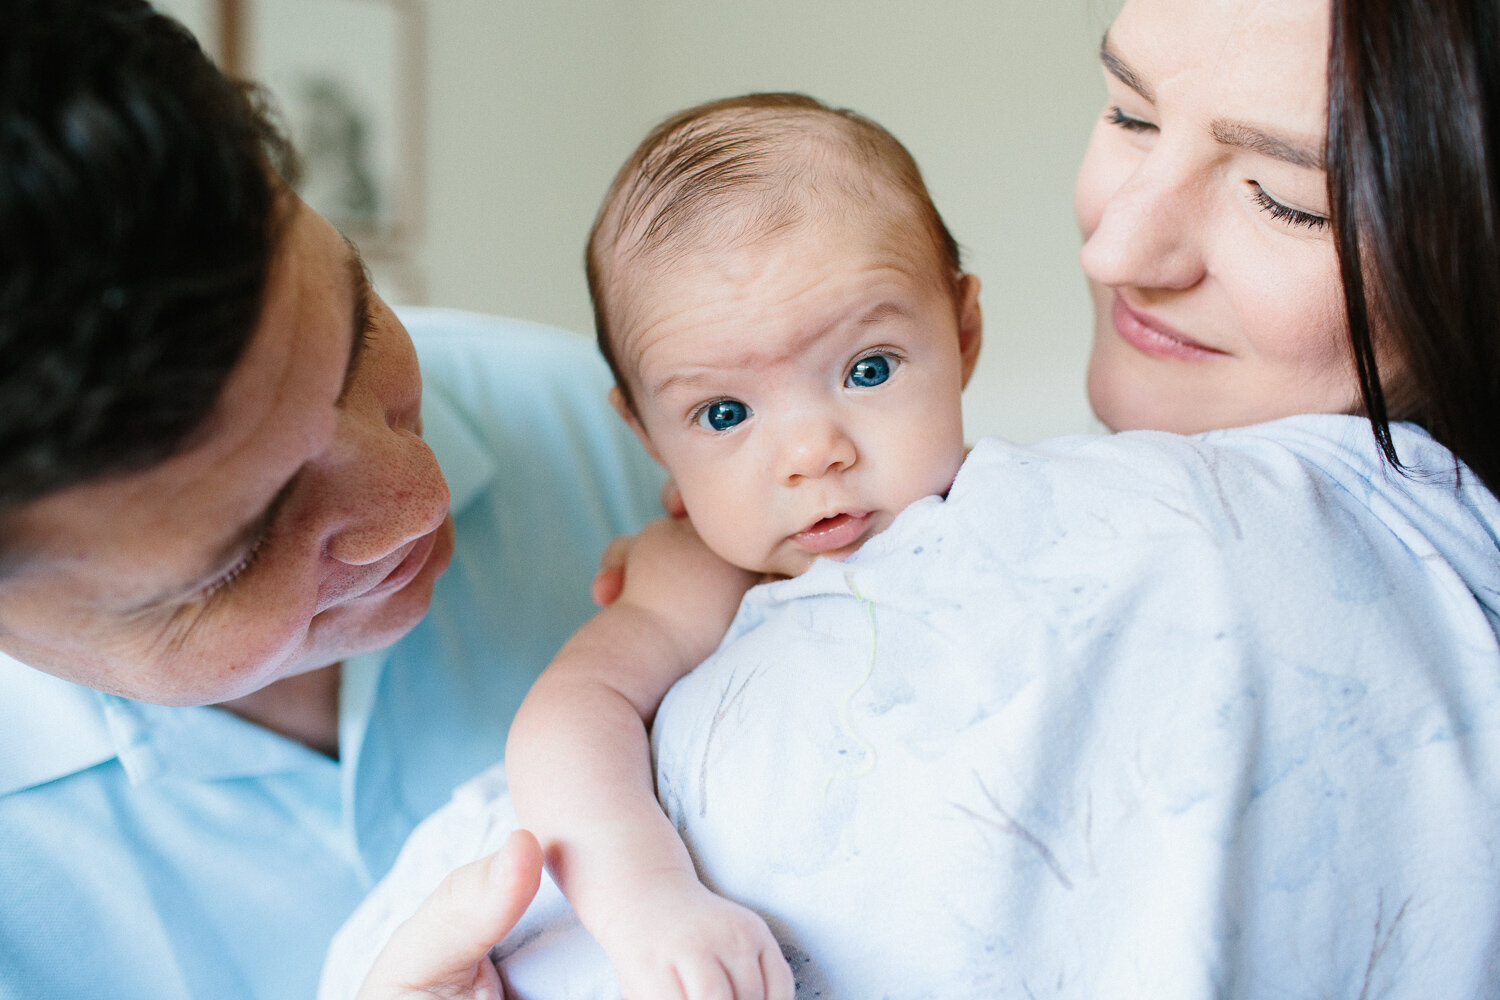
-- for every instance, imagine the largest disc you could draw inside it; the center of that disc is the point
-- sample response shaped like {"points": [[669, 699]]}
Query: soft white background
{"points": [[531, 106]]}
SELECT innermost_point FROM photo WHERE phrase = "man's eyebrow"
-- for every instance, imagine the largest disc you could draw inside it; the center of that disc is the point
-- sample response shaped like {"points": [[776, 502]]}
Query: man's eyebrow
{"points": [[1120, 70], [359, 293], [1266, 143], [253, 531]]}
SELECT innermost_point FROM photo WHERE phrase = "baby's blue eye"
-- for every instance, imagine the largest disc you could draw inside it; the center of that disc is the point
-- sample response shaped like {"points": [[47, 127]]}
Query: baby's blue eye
{"points": [[868, 372], [724, 414]]}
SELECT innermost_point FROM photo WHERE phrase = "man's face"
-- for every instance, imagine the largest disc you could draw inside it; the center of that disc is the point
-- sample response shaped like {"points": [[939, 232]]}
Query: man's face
{"points": [[304, 522]]}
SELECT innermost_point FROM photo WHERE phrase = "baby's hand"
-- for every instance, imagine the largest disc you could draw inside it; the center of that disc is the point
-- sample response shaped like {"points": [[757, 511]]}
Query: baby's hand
{"points": [[610, 579], [670, 573], [679, 941]]}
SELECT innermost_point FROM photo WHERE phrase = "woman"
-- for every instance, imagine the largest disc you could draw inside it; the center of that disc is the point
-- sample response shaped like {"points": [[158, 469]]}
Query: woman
{"points": [[1263, 763]]}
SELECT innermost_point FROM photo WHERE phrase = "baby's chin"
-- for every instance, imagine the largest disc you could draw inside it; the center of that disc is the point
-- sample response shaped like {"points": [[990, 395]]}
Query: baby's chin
{"points": [[796, 563]]}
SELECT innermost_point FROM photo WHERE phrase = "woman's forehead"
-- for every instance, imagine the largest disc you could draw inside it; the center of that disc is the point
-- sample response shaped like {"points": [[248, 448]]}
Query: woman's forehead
{"points": [[1252, 59]]}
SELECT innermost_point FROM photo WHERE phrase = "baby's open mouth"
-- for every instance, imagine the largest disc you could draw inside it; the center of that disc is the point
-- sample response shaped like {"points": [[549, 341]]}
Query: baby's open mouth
{"points": [[835, 532]]}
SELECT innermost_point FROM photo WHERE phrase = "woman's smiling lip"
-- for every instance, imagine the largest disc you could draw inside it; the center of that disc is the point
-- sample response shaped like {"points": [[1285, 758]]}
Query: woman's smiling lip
{"points": [[837, 531], [1150, 335]]}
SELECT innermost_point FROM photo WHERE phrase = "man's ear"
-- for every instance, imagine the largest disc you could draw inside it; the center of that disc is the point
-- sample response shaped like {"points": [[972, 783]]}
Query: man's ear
{"points": [[627, 414], [970, 324]]}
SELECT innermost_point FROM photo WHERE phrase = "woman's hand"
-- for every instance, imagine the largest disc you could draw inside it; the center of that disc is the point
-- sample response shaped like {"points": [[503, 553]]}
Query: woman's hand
{"points": [[443, 949]]}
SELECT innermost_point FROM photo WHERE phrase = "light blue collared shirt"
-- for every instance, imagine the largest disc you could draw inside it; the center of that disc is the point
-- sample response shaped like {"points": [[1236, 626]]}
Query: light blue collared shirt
{"points": [[150, 851]]}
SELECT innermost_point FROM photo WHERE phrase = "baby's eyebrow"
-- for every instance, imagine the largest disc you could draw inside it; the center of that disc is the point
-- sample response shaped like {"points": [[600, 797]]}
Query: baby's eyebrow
{"points": [[881, 312], [679, 380]]}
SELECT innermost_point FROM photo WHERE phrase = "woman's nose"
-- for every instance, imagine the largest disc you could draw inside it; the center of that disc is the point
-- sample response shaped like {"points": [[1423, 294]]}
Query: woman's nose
{"points": [[1148, 232], [814, 447], [390, 491]]}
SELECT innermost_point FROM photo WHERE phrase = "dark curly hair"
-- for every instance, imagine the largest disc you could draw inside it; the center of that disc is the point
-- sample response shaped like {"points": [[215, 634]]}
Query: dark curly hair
{"points": [[138, 217]]}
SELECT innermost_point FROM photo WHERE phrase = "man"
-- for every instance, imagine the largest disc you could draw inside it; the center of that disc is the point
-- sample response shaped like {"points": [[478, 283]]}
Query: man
{"points": [[226, 505]]}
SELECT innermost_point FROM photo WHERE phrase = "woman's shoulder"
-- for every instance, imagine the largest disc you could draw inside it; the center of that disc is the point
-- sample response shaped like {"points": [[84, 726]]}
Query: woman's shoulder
{"points": [[1286, 464], [1288, 506]]}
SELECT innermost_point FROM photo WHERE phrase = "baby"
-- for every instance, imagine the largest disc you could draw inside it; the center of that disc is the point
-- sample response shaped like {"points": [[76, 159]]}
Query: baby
{"points": [[790, 332]]}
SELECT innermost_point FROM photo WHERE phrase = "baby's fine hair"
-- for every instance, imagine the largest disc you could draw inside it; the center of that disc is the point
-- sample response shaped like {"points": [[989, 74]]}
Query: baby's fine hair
{"points": [[736, 171]]}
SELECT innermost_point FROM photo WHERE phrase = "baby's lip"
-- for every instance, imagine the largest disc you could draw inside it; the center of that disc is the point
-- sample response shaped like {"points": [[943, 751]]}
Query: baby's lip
{"points": [[834, 532]]}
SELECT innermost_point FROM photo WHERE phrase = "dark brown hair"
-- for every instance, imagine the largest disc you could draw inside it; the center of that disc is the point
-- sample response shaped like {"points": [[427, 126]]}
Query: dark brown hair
{"points": [[719, 174], [138, 218], [1413, 100]]}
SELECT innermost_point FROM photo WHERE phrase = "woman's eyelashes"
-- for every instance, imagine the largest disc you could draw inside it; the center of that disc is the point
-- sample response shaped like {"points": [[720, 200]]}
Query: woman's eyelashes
{"points": [[1285, 213], [1277, 210], [1129, 123]]}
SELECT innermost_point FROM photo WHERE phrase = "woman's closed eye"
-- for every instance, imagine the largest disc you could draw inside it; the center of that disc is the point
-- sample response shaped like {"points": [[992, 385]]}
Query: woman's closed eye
{"points": [[1115, 116], [1294, 217]]}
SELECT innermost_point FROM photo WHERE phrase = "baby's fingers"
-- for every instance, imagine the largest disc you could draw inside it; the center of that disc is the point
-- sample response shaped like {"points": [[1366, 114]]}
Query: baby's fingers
{"points": [[610, 580], [671, 499], [780, 983], [740, 975], [762, 975]]}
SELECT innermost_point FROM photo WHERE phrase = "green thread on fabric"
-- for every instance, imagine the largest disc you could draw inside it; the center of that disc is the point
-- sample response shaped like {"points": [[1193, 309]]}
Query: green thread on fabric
{"points": [[845, 718]]}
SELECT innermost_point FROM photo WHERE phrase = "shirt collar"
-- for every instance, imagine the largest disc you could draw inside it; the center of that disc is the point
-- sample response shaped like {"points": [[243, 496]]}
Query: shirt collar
{"points": [[49, 728]]}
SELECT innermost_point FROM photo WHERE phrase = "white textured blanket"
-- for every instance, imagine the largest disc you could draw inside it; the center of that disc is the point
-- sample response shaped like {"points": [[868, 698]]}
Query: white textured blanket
{"points": [[1122, 717]]}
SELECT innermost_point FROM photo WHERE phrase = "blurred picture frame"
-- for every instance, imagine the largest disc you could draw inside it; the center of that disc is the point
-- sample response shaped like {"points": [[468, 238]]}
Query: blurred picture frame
{"points": [[348, 79]]}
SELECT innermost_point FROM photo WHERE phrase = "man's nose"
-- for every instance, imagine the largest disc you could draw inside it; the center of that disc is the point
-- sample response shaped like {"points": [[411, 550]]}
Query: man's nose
{"points": [[390, 491]]}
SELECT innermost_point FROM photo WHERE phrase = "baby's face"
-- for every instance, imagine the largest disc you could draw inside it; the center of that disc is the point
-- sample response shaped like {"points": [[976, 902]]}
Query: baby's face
{"points": [[802, 393]]}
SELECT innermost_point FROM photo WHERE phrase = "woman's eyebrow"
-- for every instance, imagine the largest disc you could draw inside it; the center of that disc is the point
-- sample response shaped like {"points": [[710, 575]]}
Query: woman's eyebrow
{"points": [[1267, 143], [1120, 70], [1231, 133]]}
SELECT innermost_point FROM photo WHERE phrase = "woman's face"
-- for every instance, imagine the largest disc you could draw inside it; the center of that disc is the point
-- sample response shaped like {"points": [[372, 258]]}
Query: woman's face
{"points": [[1203, 206]]}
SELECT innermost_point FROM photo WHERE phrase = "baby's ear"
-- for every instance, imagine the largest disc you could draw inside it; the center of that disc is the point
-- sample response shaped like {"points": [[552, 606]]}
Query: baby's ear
{"points": [[627, 413], [970, 324]]}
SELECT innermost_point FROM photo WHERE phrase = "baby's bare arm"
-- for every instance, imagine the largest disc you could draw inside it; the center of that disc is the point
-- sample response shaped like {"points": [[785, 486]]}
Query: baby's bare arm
{"points": [[579, 765]]}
